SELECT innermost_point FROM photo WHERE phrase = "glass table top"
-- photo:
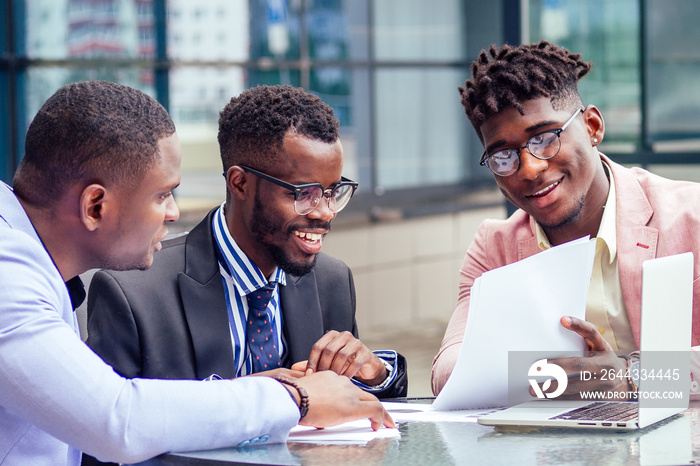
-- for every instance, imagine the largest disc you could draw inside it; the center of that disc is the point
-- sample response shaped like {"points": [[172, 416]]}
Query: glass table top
{"points": [[673, 441]]}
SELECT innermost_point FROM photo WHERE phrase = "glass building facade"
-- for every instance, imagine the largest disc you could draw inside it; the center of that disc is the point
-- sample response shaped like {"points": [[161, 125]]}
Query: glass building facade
{"points": [[389, 68]]}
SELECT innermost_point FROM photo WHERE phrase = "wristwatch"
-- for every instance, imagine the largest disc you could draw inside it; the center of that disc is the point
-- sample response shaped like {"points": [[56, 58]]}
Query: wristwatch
{"points": [[632, 370]]}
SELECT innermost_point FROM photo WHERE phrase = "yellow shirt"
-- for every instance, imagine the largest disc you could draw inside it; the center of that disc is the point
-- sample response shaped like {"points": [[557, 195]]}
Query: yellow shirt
{"points": [[605, 307]]}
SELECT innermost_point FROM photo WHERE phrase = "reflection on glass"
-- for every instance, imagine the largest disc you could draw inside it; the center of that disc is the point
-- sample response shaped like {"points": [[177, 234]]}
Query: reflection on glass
{"points": [[606, 33], [337, 29], [197, 95], [346, 92], [43, 82], [374, 452], [420, 128], [274, 29], [208, 29], [257, 77], [419, 30], [674, 90], [59, 29], [333, 86], [420, 140]]}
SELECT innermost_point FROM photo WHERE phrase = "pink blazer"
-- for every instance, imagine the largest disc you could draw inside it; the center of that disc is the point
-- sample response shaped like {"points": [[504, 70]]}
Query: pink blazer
{"points": [[656, 217]]}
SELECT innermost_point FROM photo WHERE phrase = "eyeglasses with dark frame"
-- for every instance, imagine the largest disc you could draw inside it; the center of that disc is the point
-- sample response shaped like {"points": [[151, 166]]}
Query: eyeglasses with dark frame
{"points": [[543, 146], [308, 195]]}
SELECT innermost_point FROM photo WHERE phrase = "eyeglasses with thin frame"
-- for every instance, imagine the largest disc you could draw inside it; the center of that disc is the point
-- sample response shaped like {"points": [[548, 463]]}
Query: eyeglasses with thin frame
{"points": [[543, 146], [308, 195]]}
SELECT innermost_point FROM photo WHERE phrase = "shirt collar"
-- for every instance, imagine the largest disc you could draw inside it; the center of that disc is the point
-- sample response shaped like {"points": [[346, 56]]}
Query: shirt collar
{"points": [[542, 240], [76, 291], [245, 275], [607, 231]]}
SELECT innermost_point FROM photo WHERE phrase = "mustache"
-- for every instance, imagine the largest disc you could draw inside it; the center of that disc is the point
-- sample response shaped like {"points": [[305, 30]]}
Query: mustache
{"points": [[311, 225]]}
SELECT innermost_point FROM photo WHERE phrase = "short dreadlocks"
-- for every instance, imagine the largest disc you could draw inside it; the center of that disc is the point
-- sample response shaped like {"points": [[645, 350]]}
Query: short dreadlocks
{"points": [[520, 73]]}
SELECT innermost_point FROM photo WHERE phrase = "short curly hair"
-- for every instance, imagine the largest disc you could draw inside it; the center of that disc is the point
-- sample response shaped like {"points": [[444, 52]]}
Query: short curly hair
{"points": [[90, 132], [252, 126], [515, 74]]}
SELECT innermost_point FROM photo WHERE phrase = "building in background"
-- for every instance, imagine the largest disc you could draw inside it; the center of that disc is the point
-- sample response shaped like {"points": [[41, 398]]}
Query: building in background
{"points": [[389, 69]]}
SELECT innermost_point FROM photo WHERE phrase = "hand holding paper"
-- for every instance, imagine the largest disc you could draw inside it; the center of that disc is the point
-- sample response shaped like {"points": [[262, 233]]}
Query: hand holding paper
{"points": [[518, 308]]}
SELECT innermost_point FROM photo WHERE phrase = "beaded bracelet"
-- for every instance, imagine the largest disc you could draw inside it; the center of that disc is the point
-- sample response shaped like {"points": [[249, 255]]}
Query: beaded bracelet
{"points": [[303, 395]]}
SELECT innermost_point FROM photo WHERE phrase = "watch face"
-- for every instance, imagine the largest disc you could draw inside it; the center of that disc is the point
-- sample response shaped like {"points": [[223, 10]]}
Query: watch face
{"points": [[634, 374], [634, 371]]}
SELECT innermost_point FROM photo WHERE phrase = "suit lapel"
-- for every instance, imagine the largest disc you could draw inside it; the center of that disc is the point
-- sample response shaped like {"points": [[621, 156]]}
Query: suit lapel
{"points": [[202, 293], [301, 314], [636, 242]]}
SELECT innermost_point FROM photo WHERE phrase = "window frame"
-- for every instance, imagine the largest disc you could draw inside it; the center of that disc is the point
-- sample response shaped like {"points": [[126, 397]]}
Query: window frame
{"points": [[372, 202]]}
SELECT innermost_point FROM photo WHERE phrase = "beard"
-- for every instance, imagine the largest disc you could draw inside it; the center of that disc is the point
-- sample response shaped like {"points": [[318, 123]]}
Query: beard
{"points": [[263, 227], [568, 220]]}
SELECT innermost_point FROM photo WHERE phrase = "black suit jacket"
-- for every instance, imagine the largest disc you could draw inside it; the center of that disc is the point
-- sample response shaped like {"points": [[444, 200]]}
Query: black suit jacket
{"points": [[171, 322]]}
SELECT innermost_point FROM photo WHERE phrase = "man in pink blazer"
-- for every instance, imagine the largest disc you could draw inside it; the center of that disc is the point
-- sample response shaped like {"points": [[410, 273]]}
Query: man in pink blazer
{"points": [[541, 146]]}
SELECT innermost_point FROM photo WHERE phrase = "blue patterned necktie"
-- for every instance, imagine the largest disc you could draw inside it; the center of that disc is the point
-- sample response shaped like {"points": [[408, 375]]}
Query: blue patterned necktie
{"points": [[259, 330]]}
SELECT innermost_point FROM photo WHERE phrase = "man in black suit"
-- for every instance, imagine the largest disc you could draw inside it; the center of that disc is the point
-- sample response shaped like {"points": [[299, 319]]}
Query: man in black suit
{"points": [[187, 316]]}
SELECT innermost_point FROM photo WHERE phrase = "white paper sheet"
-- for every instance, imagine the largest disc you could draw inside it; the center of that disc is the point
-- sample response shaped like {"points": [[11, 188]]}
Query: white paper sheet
{"points": [[354, 432], [418, 412], [517, 308]]}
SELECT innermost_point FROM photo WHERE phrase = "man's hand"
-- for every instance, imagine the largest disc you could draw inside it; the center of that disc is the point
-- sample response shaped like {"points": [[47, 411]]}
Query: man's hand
{"points": [[279, 372], [345, 355], [602, 360], [334, 399]]}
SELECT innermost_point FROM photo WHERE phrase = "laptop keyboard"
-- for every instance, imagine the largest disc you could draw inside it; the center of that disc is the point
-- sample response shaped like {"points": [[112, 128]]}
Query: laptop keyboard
{"points": [[602, 411]]}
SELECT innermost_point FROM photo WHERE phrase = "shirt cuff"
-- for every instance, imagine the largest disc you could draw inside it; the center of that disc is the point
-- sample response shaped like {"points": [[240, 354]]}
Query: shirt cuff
{"points": [[390, 359]]}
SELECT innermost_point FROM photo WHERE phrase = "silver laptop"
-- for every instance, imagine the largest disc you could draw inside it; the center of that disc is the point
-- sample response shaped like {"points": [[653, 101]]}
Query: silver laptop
{"points": [[664, 383]]}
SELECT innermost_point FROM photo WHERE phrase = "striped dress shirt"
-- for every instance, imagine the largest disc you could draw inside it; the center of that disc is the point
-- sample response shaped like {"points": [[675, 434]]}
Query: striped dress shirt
{"points": [[241, 276]]}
